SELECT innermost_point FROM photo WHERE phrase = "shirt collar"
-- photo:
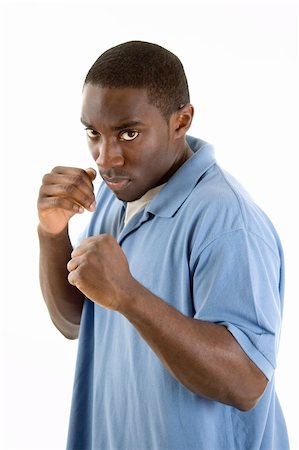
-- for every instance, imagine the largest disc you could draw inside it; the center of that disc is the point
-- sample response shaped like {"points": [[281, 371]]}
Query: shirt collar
{"points": [[182, 183]]}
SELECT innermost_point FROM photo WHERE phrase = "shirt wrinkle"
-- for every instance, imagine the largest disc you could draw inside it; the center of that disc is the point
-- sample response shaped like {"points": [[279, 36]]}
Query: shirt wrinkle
{"points": [[124, 398]]}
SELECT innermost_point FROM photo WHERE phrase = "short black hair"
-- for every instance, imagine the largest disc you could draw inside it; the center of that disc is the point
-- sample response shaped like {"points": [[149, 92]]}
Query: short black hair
{"points": [[138, 64]]}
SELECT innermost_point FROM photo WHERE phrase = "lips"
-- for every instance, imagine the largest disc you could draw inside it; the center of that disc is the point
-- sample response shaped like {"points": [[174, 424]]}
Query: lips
{"points": [[117, 183]]}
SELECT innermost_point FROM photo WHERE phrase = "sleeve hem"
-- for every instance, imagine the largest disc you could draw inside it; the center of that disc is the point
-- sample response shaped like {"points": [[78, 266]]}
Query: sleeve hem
{"points": [[251, 351]]}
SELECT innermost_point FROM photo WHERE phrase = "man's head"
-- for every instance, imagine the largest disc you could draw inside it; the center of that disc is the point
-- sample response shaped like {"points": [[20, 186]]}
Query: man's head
{"points": [[136, 111], [142, 65]]}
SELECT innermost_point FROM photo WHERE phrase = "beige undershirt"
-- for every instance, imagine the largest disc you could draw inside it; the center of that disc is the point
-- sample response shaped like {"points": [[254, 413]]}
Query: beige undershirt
{"points": [[137, 205]]}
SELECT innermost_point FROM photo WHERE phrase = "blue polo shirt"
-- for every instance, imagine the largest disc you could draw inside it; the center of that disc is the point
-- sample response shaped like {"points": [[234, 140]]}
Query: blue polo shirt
{"points": [[204, 247]]}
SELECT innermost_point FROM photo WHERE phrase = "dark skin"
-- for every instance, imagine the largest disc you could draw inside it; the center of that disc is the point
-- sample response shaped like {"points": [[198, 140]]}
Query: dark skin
{"points": [[135, 149]]}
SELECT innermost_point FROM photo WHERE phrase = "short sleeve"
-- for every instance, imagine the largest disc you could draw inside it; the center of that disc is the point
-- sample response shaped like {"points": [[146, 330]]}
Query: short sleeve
{"points": [[237, 283]]}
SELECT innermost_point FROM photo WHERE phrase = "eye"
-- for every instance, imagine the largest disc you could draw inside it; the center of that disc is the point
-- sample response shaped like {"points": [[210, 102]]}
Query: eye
{"points": [[129, 135], [91, 133]]}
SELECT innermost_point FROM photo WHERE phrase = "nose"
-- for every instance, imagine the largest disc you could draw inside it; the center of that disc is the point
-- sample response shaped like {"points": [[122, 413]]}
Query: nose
{"points": [[109, 156]]}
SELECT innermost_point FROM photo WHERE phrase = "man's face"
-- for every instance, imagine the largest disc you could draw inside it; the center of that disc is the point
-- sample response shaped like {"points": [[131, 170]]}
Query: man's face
{"points": [[129, 139]]}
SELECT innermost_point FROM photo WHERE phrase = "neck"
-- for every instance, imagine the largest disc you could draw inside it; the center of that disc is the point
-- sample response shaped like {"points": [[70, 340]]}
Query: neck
{"points": [[184, 156], [188, 152]]}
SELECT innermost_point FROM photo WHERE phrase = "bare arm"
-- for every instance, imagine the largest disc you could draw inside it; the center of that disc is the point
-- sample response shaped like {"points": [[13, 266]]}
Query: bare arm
{"points": [[203, 356], [63, 301], [64, 192]]}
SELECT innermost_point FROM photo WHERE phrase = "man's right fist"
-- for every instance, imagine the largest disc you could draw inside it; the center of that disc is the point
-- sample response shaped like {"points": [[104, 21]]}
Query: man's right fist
{"points": [[64, 192]]}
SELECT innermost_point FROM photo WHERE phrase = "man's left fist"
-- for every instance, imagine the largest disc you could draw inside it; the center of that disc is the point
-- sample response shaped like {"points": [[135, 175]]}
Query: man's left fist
{"points": [[99, 269]]}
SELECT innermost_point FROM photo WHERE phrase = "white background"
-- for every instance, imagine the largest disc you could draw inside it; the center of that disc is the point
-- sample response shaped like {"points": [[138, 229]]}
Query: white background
{"points": [[241, 58]]}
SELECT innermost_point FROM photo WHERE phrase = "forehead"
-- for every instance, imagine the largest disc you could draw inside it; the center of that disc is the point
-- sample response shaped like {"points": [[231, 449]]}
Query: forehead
{"points": [[115, 105]]}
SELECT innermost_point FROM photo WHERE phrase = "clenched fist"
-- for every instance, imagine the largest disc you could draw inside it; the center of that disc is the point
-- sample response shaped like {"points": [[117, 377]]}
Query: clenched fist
{"points": [[99, 269], [64, 192]]}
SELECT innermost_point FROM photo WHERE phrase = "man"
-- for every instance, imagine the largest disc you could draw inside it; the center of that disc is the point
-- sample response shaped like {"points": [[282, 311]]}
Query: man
{"points": [[176, 286]]}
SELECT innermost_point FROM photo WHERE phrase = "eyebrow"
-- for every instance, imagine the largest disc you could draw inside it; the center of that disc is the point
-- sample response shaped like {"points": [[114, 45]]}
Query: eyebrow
{"points": [[130, 124]]}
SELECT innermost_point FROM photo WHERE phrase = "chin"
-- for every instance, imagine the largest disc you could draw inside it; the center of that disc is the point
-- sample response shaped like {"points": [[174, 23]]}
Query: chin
{"points": [[127, 198], [130, 195]]}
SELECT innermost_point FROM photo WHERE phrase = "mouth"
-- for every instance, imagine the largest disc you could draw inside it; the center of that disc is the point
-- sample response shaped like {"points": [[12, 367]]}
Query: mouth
{"points": [[117, 183]]}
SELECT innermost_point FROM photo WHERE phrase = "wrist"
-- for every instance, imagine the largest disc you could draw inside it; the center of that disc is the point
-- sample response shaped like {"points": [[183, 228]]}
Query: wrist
{"points": [[135, 303], [44, 233]]}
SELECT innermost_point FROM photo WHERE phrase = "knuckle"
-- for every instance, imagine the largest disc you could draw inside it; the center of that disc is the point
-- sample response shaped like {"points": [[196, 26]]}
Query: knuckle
{"points": [[107, 238], [71, 278], [46, 178], [43, 194], [79, 177], [93, 246], [56, 169], [90, 249], [69, 188], [86, 200], [41, 191], [80, 272]]}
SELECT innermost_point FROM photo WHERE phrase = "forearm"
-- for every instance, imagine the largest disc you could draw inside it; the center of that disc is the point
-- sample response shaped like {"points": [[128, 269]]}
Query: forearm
{"points": [[63, 301], [201, 355]]}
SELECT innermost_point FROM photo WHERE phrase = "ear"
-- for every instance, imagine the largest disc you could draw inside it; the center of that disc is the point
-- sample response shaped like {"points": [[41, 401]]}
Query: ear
{"points": [[181, 120]]}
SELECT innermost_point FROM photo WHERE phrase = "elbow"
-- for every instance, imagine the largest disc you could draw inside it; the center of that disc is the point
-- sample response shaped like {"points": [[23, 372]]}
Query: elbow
{"points": [[69, 331], [249, 398], [70, 335], [248, 387], [245, 405]]}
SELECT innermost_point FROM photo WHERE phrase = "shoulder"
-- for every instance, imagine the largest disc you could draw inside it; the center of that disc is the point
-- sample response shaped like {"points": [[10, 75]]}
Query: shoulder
{"points": [[219, 205]]}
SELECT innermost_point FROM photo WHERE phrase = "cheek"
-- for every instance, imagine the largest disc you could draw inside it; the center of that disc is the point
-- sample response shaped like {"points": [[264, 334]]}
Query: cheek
{"points": [[155, 153], [154, 166]]}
